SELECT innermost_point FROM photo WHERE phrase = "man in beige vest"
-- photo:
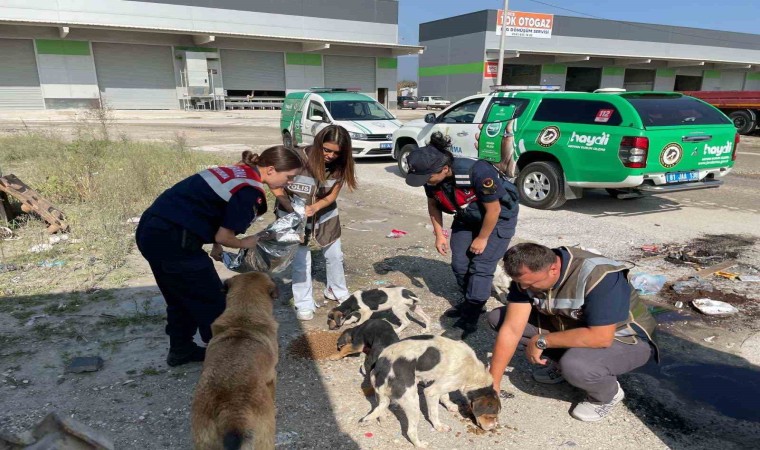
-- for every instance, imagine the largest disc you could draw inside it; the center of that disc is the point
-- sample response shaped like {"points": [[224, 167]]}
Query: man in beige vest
{"points": [[578, 318]]}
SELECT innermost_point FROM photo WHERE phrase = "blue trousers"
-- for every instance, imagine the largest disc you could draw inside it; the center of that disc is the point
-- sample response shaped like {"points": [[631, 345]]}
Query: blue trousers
{"points": [[194, 293], [474, 273]]}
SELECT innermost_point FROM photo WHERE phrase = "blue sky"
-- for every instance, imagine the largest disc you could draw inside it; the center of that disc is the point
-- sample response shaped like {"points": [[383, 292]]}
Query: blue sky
{"points": [[734, 15]]}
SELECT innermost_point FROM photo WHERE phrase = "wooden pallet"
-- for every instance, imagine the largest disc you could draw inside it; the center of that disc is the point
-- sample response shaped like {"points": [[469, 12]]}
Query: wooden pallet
{"points": [[32, 201]]}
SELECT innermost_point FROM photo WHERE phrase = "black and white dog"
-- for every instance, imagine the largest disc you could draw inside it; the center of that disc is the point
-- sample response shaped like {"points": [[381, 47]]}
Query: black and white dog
{"points": [[443, 366], [361, 304]]}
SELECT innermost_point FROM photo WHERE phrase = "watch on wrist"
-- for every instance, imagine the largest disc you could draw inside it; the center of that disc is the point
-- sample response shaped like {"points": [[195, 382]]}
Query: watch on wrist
{"points": [[541, 343]]}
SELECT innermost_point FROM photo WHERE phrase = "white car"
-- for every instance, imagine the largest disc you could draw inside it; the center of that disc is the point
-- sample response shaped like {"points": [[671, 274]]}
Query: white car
{"points": [[434, 101]]}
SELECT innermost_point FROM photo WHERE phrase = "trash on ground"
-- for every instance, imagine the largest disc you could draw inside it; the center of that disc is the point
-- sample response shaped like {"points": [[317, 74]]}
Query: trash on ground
{"points": [[709, 339], [751, 278], [716, 268], [134, 220], [6, 233], [8, 268], [374, 220], [368, 434], [84, 364], [651, 248], [729, 275], [285, 438], [380, 282], [355, 229], [58, 431], [55, 239], [694, 283], [396, 233], [34, 318], [714, 307], [55, 263], [648, 284], [39, 248], [679, 305]]}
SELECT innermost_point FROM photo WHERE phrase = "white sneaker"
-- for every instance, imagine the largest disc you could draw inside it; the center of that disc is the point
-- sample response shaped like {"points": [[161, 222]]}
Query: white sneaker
{"points": [[305, 315], [591, 411], [330, 295], [551, 374]]}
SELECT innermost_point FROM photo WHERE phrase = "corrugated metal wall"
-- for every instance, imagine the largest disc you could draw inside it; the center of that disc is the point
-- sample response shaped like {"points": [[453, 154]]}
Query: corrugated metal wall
{"points": [[19, 79], [133, 76], [351, 72], [251, 70]]}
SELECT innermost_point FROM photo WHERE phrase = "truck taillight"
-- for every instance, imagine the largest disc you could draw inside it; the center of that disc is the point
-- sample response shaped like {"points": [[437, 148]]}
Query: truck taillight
{"points": [[633, 152], [737, 139]]}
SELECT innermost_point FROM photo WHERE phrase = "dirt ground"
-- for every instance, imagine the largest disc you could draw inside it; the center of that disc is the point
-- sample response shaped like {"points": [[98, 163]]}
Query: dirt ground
{"points": [[703, 394]]}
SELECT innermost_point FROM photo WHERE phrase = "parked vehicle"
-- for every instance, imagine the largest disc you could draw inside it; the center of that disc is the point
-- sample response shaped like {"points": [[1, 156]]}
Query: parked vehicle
{"points": [[370, 125], [406, 102], [743, 107], [629, 143], [430, 102]]}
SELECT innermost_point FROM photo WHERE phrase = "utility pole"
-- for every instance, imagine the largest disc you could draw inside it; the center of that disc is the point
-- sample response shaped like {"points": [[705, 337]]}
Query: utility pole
{"points": [[500, 72]]}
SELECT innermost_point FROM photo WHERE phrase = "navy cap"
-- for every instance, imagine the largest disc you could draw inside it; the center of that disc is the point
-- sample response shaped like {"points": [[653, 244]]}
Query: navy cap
{"points": [[423, 162]]}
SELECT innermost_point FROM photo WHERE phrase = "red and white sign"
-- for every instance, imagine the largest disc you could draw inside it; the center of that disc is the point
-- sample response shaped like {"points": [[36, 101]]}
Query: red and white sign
{"points": [[526, 24], [604, 115], [490, 69]]}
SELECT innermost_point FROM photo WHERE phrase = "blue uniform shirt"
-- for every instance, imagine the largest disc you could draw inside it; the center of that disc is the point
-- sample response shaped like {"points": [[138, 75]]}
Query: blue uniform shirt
{"points": [[488, 187], [607, 304], [193, 205]]}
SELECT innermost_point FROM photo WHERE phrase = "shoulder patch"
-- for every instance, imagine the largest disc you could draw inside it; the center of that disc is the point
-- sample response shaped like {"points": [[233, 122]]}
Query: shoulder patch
{"points": [[489, 187]]}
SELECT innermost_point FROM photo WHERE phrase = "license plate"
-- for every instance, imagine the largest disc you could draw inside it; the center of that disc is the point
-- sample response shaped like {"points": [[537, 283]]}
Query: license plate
{"points": [[680, 177], [386, 146]]}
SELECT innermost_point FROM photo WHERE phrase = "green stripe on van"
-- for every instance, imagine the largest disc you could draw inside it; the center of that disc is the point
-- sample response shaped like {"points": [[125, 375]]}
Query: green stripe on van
{"points": [[453, 69], [61, 47], [553, 69], [613, 71], [303, 59], [387, 63]]}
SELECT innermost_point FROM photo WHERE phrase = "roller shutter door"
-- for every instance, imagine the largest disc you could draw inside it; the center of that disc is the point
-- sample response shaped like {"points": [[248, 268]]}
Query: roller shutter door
{"points": [[19, 79], [639, 80], [132, 76], [247, 70], [351, 72]]}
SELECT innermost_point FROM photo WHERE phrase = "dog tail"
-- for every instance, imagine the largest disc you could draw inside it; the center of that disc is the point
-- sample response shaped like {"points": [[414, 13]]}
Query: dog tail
{"points": [[244, 430]]}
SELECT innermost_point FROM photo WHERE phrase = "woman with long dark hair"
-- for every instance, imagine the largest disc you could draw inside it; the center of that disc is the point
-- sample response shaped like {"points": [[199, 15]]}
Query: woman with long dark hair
{"points": [[329, 165], [210, 207]]}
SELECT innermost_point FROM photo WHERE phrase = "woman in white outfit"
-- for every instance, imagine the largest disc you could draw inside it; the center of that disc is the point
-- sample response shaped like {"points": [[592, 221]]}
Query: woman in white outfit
{"points": [[329, 165]]}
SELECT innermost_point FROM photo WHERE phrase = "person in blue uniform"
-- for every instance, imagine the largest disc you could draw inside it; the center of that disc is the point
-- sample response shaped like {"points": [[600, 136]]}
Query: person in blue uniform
{"points": [[485, 206], [210, 207]]}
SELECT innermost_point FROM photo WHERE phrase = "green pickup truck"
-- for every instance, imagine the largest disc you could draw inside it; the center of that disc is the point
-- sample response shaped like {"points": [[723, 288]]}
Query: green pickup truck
{"points": [[629, 143]]}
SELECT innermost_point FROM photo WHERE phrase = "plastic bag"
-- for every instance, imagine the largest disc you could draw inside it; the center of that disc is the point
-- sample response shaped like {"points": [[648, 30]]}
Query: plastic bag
{"points": [[277, 244], [691, 285], [647, 284]]}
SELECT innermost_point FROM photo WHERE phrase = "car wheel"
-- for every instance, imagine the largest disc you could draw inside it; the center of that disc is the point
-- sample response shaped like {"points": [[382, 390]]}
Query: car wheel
{"points": [[742, 121], [403, 165], [287, 139], [542, 185]]}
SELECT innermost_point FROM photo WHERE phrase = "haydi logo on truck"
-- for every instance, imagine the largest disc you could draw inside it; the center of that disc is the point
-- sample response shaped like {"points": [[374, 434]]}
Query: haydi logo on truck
{"points": [[589, 141], [717, 150]]}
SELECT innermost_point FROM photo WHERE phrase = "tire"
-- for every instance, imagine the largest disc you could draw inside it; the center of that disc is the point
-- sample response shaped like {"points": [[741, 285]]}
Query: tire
{"points": [[287, 139], [542, 185], [403, 168], [743, 121]]}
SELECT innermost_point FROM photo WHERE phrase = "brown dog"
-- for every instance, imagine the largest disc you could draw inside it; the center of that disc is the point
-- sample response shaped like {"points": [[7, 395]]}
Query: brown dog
{"points": [[233, 407]]}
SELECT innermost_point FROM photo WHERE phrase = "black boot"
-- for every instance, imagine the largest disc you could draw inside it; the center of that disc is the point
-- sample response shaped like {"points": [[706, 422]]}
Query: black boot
{"points": [[468, 319], [185, 354], [455, 311]]}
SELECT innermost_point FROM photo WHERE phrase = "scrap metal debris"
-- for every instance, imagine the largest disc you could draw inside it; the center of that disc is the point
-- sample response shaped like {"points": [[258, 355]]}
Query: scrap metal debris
{"points": [[32, 201]]}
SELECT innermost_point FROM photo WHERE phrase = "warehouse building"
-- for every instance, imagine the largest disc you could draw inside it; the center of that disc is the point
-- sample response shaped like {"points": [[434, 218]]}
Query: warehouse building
{"points": [[171, 54], [579, 54]]}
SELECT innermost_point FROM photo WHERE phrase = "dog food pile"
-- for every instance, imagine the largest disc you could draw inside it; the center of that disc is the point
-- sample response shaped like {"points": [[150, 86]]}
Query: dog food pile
{"points": [[314, 345]]}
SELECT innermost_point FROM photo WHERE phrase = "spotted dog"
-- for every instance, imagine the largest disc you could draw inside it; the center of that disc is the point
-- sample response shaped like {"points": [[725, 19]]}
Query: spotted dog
{"points": [[371, 338], [442, 365], [360, 306]]}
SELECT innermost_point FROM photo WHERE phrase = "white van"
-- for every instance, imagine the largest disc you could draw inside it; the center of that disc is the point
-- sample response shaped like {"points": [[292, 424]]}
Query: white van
{"points": [[370, 125]]}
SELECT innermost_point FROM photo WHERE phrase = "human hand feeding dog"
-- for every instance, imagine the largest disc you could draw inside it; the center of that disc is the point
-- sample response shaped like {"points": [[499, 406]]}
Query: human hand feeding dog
{"points": [[445, 366], [361, 304]]}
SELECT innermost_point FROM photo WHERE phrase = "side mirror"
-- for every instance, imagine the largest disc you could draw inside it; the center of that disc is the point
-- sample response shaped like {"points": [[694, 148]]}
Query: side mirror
{"points": [[430, 118], [317, 119]]}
